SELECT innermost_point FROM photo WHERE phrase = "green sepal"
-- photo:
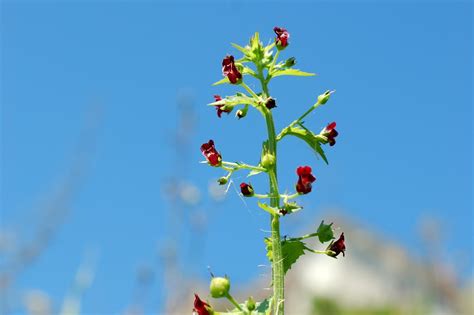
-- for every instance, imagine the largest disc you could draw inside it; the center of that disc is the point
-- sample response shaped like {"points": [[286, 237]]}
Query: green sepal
{"points": [[291, 207], [293, 72], [325, 232], [291, 251], [267, 208], [223, 81]]}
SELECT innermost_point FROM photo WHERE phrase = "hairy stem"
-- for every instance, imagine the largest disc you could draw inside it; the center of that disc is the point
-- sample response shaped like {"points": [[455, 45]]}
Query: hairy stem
{"points": [[277, 265]]}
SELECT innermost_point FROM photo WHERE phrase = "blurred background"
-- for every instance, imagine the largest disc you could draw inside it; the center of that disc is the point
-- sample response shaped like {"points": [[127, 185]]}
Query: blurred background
{"points": [[105, 208]]}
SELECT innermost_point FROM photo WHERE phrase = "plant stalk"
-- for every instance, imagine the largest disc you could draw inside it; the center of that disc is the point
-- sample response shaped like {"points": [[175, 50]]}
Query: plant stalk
{"points": [[278, 275]]}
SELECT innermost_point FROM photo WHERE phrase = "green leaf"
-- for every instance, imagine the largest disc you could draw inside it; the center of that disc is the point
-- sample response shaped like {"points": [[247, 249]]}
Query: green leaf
{"points": [[253, 172], [223, 81], [264, 307], [267, 208], [235, 100], [314, 141], [294, 72], [325, 232], [243, 50], [291, 251]]}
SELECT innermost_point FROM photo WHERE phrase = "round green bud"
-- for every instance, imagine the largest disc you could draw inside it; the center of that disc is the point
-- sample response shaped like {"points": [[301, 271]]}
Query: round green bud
{"points": [[222, 180], [323, 98], [219, 287], [250, 304], [268, 160]]}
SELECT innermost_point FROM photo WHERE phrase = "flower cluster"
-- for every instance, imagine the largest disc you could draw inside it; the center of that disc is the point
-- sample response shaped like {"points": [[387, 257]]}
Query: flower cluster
{"points": [[261, 63]]}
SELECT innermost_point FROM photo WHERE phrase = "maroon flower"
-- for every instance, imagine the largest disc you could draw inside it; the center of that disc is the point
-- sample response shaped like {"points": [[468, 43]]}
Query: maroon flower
{"points": [[281, 40], [338, 247], [305, 178], [230, 70], [270, 103], [246, 189], [219, 107], [201, 307], [330, 132], [210, 153]]}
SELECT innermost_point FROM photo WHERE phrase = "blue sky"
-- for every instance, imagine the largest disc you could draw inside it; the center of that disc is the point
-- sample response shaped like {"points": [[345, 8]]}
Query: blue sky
{"points": [[403, 75]]}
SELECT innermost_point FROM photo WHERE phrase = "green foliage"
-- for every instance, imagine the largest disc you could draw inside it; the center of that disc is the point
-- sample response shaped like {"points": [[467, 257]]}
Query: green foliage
{"points": [[314, 141], [293, 72], [325, 232], [291, 251]]}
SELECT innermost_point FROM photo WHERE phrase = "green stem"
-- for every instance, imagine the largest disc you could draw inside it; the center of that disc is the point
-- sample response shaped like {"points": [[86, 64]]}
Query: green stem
{"points": [[234, 302], [304, 237], [285, 131], [323, 252], [237, 166], [248, 89], [278, 275]]}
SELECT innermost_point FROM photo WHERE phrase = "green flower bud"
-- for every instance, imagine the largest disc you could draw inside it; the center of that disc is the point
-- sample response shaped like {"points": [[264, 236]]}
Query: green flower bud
{"points": [[222, 180], [250, 304], [241, 113], [268, 160], [219, 287], [323, 98], [290, 62]]}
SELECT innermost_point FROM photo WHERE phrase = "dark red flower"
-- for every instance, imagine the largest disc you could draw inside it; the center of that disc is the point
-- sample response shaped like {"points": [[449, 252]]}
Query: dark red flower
{"points": [[230, 70], [246, 189], [201, 307], [331, 133], [281, 40], [338, 247], [305, 179], [219, 107], [270, 103], [210, 153]]}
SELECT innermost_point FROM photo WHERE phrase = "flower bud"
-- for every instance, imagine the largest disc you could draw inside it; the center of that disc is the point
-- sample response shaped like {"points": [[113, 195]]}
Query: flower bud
{"points": [[268, 160], [219, 287], [323, 98], [290, 62], [250, 304], [241, 113], [270, 103], [246, 189], [201, 307], [337, 247], [222, 180], [281, 41]]}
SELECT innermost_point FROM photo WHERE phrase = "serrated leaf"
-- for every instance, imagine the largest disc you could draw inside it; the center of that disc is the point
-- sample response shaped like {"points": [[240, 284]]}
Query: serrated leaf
{"points": [[223, 81], [325, 232], [264, 306], [294, 72], [267, 208], [291, 251]]}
